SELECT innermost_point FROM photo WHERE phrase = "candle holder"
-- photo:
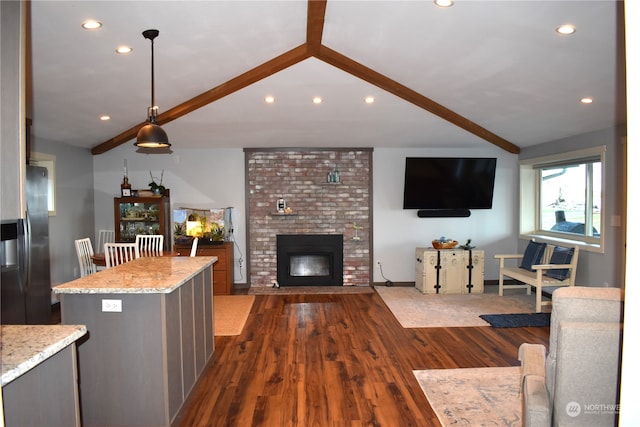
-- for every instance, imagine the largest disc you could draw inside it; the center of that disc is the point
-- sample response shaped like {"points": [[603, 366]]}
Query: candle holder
{"points": [[125, 187], [356, 228]]}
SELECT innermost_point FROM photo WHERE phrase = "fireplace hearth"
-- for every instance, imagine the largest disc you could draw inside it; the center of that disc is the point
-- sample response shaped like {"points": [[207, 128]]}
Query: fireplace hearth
{"points": [[310, 259]]}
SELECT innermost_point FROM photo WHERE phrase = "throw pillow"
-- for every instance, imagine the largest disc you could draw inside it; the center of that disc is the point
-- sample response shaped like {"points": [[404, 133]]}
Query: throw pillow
{"points": [[532, 255], [560, 256]]}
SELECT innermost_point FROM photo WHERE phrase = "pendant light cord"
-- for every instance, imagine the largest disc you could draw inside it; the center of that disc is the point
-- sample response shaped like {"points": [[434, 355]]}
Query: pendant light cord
{"points": [[151, 138], [151, 35], [153, 85]]}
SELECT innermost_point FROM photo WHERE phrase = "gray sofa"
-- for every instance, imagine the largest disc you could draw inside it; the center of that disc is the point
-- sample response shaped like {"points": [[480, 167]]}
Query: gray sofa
{"points": [[577, 382]]}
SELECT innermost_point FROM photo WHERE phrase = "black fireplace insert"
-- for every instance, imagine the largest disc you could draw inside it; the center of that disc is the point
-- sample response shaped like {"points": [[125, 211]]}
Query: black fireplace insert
{"points": [[310, 259]]}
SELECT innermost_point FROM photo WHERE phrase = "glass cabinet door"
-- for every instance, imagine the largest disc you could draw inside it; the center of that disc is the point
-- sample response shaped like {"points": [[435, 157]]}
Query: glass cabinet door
{"points": [[141, 215], [138, 218]]}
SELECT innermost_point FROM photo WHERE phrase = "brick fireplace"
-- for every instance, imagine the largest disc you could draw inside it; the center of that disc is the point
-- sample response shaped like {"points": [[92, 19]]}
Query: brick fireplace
{"points": [[316, 206]]}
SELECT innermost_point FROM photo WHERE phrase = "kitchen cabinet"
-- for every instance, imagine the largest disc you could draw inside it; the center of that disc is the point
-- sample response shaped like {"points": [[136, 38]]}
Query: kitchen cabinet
{"points": [[13, 110], [142, 215], [150, 338], [39, 375], [449, 271], [223, 270]]}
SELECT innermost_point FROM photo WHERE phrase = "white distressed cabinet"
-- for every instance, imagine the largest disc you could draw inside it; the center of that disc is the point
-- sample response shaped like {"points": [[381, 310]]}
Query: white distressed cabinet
{"points": [[449, 271]]}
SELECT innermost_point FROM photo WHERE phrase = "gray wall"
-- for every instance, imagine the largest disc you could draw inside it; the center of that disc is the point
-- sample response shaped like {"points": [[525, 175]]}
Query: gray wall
{"points": [[74, 207], [215, 178], [203, 179], [397, 232], [598, 269]]}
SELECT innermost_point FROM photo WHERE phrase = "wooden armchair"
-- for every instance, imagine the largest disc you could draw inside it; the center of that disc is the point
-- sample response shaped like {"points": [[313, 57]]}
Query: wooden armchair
{"points": [[553, 266]]}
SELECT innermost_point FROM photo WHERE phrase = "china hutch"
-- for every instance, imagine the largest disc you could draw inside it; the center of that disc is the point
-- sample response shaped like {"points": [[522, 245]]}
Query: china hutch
{"points": [[142, 215]]}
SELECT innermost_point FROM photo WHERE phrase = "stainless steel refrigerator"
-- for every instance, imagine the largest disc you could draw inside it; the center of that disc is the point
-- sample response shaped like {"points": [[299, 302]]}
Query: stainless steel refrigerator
{"points": [[24, 257]]}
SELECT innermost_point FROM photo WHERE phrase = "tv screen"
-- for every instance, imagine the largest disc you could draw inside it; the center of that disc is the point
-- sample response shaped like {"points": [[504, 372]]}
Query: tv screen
{"points": [[449, 183]]}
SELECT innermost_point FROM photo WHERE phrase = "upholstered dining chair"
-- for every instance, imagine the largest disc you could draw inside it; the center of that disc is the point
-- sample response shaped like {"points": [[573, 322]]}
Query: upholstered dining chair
{"points": [[119, 253], [150, 245], [84, 249]]}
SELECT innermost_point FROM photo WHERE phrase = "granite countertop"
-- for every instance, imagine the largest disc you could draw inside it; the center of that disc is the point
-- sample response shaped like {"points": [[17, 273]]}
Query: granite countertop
{"points": [[24, 347], [146, 275]]}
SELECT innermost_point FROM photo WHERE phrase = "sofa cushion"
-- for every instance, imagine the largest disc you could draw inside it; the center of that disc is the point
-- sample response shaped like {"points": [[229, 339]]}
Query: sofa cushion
{"points": [[560, 256], [532, 255]]}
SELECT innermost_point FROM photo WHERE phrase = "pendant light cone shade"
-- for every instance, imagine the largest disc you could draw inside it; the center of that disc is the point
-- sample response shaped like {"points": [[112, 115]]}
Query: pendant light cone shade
{"points": [[152, 138]]}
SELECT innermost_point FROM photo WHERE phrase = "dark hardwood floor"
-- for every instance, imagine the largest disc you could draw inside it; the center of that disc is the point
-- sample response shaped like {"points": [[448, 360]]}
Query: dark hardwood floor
{"points": [[336, 360]]}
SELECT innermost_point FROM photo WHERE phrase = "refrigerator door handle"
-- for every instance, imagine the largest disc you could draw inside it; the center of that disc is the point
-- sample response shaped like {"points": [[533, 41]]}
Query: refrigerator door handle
{"points": [[25, 259]]}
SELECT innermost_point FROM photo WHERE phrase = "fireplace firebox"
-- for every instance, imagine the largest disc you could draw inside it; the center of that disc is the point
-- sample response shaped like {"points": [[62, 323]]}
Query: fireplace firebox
{"points": [[309, 259]]}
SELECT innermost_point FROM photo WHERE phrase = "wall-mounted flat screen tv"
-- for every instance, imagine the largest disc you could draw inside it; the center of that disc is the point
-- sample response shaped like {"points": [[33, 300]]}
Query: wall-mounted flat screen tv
{"points": [[449, 183]]}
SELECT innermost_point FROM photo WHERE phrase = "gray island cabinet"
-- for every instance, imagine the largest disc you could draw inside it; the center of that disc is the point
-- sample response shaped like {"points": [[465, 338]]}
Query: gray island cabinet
{"points": [[39, 385], [150, 335]]}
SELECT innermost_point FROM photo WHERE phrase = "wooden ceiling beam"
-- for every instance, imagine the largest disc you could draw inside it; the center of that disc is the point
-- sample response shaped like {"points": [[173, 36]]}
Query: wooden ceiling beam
{"points": [[313, 47], [367, 74], [254, 75], [315, 23]]}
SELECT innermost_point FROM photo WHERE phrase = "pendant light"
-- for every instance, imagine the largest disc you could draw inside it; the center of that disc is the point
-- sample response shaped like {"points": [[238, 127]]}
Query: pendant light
{"points": [[151, 138]]}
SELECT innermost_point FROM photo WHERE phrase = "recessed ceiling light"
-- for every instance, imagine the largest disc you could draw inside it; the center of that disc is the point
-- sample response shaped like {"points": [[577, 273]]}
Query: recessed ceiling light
{"points": [[369, 100], [317, 100], [124, 49], [104, 118], [269, 99], [91, 24], [587, 100], [443, 3], [566, 29]]}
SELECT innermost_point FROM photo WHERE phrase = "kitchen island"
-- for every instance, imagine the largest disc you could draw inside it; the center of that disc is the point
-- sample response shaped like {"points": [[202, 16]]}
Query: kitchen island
{"points": [[39, 375], [150, 335]]}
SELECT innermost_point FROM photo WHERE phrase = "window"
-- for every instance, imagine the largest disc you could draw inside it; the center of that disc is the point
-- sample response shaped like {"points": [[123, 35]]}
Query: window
{"points": [[562, 197], [48, 161]]}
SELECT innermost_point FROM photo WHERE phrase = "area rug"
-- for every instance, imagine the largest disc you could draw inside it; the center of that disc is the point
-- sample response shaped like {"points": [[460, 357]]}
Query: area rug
{"points": [[520, 320], [230, 313], [413, 309], [473, 396]]}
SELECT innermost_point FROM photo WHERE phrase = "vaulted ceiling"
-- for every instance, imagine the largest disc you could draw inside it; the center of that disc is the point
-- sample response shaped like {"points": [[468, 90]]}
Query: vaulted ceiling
{"points": [[480, 72]]}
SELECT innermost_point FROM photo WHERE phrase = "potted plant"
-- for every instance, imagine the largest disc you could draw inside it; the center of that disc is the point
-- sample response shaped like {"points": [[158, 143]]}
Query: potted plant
{"points": [[157, 188], [217, 233]]}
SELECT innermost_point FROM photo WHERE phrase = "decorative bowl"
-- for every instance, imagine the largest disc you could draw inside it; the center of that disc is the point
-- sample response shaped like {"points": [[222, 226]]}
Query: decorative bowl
{"points": [[437, 244]]}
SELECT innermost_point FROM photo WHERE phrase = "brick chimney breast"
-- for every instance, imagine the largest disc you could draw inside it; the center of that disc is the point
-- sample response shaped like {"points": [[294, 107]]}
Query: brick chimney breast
{"points": [[315, 204]]}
